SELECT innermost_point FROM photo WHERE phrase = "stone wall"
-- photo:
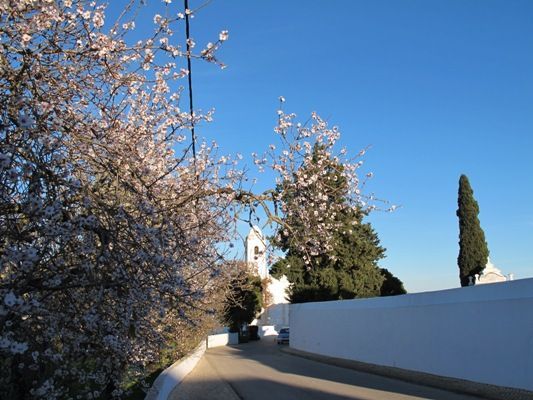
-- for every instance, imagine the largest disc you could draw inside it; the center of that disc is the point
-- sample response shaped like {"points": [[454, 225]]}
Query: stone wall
{"points": [[481, 333]]}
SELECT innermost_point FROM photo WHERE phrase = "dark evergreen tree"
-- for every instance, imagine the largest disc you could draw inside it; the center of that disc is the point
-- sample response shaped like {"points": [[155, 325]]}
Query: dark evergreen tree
{"points": [[392, 286], [244, 301], [473, 250], [349, 269]]}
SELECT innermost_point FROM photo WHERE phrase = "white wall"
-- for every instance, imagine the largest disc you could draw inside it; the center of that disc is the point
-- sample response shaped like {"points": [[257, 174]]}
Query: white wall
{"points": [[267, 330], [222, 339], [276, 315], [480, 333]]}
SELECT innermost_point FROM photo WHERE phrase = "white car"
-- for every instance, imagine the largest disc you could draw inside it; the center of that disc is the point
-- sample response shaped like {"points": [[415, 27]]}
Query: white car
{"points": [[283, 336]]}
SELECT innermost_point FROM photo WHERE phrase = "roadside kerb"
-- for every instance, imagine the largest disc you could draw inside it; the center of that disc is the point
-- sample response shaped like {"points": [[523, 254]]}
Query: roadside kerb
{"points": [[173, 375], [482, 390]]}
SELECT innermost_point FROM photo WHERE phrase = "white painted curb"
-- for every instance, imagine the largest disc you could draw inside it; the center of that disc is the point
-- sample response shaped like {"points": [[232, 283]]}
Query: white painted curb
{"points": [[173, 375]]}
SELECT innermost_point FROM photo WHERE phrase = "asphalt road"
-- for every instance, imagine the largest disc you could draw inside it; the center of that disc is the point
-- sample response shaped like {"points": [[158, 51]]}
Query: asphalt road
{"points": [[261, 371]]}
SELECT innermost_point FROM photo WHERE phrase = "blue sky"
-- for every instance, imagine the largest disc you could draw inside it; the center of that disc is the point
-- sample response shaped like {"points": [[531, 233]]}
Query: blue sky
{"points": [[437, 88]]}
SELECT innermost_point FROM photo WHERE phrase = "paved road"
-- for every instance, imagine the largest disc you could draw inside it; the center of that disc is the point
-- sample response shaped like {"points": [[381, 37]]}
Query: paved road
{"points": [[261, 371]]}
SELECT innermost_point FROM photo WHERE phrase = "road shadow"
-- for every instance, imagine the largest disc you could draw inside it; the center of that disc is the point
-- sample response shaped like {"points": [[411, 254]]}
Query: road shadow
{"points": [[263, 388], [268, 353]]}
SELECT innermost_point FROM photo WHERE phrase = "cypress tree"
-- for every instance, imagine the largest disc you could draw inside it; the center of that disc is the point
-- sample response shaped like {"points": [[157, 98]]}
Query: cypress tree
{"points": [[473, 250]]}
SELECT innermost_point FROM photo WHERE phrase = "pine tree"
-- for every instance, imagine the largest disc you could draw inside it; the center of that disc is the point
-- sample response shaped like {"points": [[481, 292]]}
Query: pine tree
{"points": [[349, 268], [392, 286], [473, 251]]}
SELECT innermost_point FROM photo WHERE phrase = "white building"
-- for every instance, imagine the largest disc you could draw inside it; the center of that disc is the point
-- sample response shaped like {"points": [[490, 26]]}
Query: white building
{"points": [[491, 274], [275, 314]]}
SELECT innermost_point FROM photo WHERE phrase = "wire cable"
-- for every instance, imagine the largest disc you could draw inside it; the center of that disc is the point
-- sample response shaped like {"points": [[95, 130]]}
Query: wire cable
{"points": [[189, 68]]}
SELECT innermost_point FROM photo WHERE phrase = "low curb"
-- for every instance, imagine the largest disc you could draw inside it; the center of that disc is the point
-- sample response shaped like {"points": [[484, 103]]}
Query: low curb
{"points": [[485, 391], [173, 375]]}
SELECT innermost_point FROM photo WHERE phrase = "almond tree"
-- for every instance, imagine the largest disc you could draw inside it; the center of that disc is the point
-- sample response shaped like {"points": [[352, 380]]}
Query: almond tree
{"points": [[307, 185], [108, 224], [346, 267], [112, 229]]}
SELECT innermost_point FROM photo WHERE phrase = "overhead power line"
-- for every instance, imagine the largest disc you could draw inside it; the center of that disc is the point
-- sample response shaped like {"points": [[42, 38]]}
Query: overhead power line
{"points": [[189, 68]]}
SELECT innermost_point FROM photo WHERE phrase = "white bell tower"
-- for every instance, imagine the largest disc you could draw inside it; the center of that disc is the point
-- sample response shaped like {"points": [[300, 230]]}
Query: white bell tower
{"points": [[256, 251], [274, 315]]}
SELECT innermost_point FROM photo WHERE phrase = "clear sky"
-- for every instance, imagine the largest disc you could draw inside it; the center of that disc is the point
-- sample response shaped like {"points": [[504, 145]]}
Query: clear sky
{"points": [[437, 88]]}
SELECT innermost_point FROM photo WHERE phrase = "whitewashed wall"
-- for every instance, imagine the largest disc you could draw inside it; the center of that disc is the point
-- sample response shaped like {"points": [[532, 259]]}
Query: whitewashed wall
{"points": [[222, 339], [267, 330], [481, 333]]}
